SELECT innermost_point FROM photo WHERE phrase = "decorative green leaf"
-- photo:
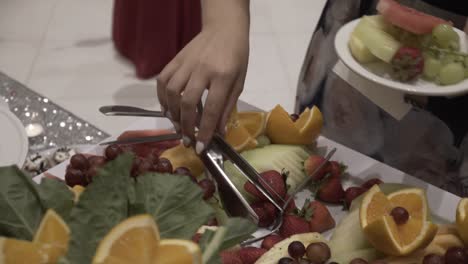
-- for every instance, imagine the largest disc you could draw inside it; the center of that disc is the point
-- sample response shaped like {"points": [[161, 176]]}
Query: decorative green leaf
{"points": [[56, 195], [233, 233], [102, 205], [20, 206], [175, 202]]}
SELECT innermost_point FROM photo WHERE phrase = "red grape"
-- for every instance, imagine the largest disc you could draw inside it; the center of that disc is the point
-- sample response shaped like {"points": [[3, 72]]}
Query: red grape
{"points": [[318, 252], [296, 249], [400, 215], [294, 117], [456, 255], [286, 260], [184, 171], [208, 188], [433, 259], [144, 166], [97, 161], [75, 177], [91, 173], [113, 151], [79, 162], [164, 166]]}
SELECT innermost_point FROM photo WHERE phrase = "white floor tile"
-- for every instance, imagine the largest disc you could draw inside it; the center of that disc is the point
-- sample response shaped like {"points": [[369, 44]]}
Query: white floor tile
{"points": [[24, 19], [292, 49], [88, 77], [16, 58], [266, 83], [83, 20]]}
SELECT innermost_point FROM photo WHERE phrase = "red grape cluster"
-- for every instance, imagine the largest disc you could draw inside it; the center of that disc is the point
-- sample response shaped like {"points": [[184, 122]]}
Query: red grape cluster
{"points": [[83, 168], [314, 253]]}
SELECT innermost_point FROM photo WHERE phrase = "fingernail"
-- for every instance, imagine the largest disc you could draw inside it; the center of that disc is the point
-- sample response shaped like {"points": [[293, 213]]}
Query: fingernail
{"points": [[199, 147], [225, 130], [186, 141], [176, 126]]}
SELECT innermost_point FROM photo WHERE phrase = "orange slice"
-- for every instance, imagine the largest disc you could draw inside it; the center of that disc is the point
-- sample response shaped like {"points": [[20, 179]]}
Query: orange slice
{"points": [[15, 251], [77, 191], [52, 236], [238, 135], [282, 130], [384, 233], [180, 156], [177, 251], [462, 219], [254, 122]]}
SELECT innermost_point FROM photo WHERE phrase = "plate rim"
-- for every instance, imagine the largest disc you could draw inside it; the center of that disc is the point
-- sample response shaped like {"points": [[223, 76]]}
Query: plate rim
{"points": [[20, 127], [345, 56]]}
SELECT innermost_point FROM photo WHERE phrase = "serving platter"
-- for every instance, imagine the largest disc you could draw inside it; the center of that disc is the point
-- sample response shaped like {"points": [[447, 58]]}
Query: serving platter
{"points": [[360, 168], [418, 87]]}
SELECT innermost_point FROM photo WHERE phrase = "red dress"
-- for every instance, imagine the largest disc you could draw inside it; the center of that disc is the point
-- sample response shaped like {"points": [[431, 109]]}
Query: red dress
{"points": [[150, 32]]}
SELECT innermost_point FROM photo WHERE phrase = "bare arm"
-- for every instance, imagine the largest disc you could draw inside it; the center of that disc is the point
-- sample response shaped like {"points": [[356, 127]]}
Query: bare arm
{"points": [[216, 59]]}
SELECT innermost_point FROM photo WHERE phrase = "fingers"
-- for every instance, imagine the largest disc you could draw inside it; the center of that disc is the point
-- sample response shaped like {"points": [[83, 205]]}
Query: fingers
{"points": [[188, 112], [231, 103], [214, 108], [161, 82], [174, 89]]}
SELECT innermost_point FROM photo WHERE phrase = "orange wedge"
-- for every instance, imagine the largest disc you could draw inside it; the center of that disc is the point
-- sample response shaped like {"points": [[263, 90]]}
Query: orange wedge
{"points": [[132, 241], [254, 122], [15, 251], [52, 236], [77, 191], [381, 229], [136, 240], [238, 135], [282, 130], [177, 251], [462, 219]]}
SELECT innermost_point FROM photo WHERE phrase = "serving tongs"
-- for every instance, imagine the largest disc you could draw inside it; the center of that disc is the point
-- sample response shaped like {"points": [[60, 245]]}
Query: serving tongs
{"points": [[234, 203]]}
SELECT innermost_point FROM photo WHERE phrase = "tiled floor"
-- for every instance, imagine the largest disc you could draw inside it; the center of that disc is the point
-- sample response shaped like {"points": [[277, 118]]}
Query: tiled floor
{"points": [[62, 49]]}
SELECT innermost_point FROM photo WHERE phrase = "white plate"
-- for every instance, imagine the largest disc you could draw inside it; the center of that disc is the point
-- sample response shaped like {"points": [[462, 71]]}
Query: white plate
{"points": [[419, 87], [13, 139]]}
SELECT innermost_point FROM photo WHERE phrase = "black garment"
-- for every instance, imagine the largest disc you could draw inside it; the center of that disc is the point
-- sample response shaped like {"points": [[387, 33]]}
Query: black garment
{"points": [[456, 6]]}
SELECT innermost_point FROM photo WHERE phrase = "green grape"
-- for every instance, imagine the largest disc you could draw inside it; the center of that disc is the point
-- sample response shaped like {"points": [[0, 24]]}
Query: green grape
{"points": [[425, 40], [448, 58], [444, 35], [451, 73], [431, 67]]}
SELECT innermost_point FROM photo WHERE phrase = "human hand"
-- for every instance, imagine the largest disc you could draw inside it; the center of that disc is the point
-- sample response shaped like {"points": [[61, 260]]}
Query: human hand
{"points": [[216, 60]]}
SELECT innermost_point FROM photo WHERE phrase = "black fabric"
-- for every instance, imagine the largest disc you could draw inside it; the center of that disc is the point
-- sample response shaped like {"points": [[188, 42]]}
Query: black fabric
{"points": [[457, 6]]}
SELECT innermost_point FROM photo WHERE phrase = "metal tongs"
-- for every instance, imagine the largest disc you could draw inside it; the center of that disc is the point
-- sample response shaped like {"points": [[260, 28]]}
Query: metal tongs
{"points": [[234, 203]]}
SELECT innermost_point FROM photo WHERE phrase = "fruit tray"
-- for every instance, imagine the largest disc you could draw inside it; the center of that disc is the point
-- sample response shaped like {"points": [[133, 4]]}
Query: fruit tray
{"points": [[360, 168]]}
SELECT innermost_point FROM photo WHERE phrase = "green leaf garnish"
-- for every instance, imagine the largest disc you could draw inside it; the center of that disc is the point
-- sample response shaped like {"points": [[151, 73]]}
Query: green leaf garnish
{"points": [[55, 195], [20, 205], [102, 205], [175, 202]]}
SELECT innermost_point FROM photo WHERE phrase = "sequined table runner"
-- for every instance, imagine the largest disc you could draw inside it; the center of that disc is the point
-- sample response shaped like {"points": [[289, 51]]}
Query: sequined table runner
{"points": [[48, 125]]}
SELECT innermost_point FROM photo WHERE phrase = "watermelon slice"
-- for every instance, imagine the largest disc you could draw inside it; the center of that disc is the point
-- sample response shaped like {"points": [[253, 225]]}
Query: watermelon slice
{"points": [[407, 18], [145, 149]]}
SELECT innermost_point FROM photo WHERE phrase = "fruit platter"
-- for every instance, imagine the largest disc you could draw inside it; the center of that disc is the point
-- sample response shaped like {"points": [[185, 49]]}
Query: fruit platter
{"points": [[407, 50], [153, 203]]}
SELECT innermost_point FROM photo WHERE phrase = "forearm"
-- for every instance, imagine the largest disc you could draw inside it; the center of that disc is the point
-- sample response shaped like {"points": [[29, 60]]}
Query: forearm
{"points": [[226, 13]]}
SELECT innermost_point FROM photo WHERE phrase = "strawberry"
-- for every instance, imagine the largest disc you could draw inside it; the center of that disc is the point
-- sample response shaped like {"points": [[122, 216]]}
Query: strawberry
{"points": [[249, 255], [351, 194], [311, 164], [331, 191], [371, 182], [320, 219], [293, 224], [407, 63], [230, 257], [265, 214], [269, 241], [335, 169], [291, 205], [273, 181]]}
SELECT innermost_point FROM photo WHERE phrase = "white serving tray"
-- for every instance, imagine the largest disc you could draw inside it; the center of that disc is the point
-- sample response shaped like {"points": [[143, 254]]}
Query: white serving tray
{"points": [[360, 168]]}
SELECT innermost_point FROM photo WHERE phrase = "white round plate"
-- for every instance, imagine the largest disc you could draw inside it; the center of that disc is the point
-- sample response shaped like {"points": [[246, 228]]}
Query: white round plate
{"points": [[13, 139], [419, 86]]}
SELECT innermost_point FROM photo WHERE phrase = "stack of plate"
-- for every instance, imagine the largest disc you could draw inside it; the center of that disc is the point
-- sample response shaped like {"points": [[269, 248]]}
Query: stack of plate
{"points": [[13, 139]]}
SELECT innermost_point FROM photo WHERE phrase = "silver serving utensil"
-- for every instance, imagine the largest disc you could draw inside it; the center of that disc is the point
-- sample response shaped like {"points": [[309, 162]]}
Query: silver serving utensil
{"points": [[123, 110], [138, 140]]}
